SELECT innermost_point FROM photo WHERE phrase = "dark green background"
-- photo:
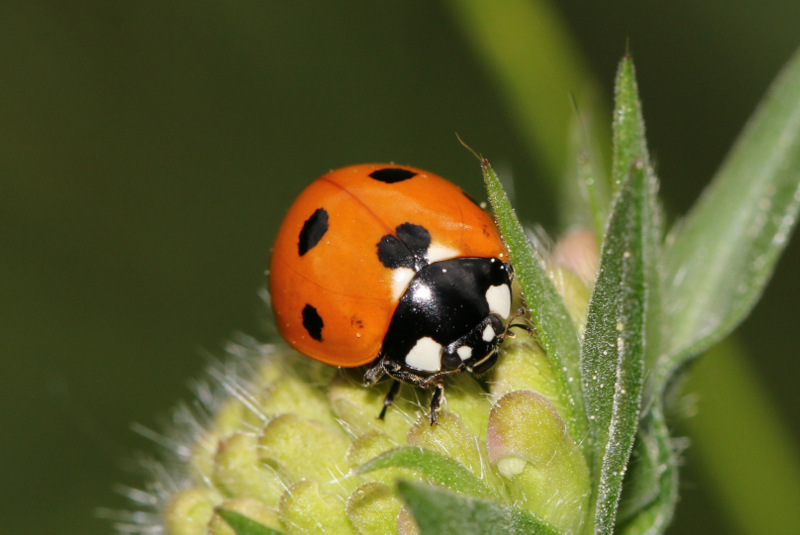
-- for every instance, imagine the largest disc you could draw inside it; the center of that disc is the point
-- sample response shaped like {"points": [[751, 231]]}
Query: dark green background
{"points": [[148, 150]]}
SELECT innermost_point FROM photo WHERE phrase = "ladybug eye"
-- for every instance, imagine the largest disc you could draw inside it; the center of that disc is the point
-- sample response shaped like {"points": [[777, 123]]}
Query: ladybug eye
{"points": [[390, 175], [313, 230]]}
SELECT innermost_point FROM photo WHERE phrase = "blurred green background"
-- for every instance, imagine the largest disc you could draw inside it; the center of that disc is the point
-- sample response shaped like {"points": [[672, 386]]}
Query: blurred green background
{"points": [[149, 149]]}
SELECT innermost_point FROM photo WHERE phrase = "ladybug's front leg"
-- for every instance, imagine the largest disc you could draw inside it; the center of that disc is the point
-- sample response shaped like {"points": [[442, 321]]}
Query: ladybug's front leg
{"points": [[376, 372]]}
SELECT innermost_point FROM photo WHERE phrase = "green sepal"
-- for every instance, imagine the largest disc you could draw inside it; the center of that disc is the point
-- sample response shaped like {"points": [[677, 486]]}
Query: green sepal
{"points": [[612, 361], [554, 328], [243, 525], [719, 258], [441, 512], [436, 467]]}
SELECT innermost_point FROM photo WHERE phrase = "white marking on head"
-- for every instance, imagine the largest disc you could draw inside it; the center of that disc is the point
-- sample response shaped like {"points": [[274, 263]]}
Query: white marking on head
{"points": [[499, 300], [488, 333], [400, 278], [426, 355], [464, 352], [437, 252]]}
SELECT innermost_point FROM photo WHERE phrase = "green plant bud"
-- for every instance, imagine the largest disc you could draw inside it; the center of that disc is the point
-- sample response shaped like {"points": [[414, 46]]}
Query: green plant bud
{"points": [[189, 512], [367, 447], [231, 416], [524, 366], [306, 509], [238, 470], [406, 525], [373, 508], [449, 437], [545, 469], [358, 407], [201, 460], [299, 448], [293, 393], [466, 398], [301, 458]]}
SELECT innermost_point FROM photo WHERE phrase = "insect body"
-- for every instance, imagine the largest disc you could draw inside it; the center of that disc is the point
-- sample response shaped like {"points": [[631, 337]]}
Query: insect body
{"points": [[393, 267]]}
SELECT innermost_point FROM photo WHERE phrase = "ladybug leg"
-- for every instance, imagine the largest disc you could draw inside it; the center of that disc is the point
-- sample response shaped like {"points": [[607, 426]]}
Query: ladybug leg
{"points": [[436, 401], [387, 401], [375, 373], [510, 325], [436, 378], [405, 376], [383, 367], [508, 334]]}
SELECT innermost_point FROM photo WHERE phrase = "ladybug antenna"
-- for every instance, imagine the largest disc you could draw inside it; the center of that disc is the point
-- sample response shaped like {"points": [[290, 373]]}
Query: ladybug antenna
{"points": [[464, 144]]}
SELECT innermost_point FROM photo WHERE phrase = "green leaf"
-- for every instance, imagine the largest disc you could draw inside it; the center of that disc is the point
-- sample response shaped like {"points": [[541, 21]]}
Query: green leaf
{"points": [[441, 469], [719, 259], [651, 483], [630, 147], [243, 525], [612, 361], [640, 485], [554, 328], [440, 512]]}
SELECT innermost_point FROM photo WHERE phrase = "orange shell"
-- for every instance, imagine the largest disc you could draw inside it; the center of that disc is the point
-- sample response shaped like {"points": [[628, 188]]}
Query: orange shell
{"points": [[341, 276]]}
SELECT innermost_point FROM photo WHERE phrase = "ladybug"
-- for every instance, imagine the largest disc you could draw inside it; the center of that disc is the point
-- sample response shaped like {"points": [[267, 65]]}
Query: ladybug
{"points": [[394, 267]]}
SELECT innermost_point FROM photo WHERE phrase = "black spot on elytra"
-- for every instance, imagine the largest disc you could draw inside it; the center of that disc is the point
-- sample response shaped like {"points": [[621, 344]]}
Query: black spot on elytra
{"points": [[390, 175], [312, 322], [313, 230], [408, 248]]}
